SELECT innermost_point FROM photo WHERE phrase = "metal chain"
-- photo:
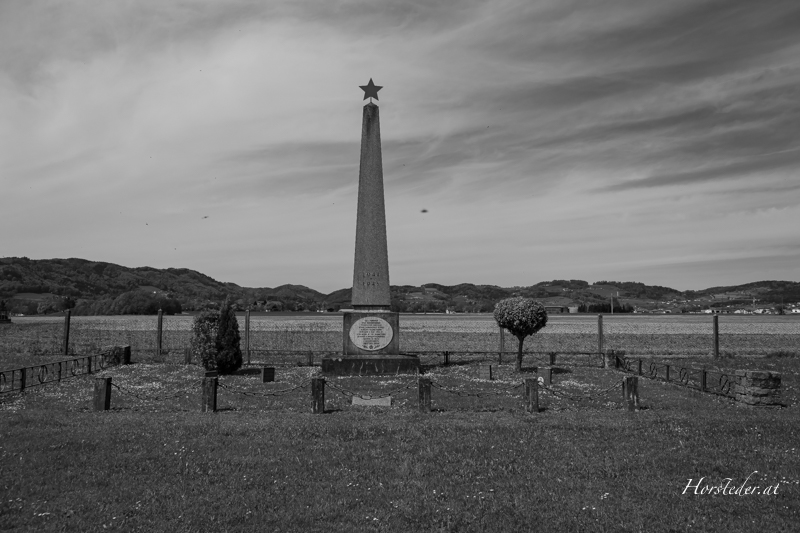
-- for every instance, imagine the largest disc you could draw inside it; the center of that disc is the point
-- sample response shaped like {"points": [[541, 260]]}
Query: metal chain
{"points": [[582, 397], [152, 398], [350, 394], [475, 394], [263, 394]]}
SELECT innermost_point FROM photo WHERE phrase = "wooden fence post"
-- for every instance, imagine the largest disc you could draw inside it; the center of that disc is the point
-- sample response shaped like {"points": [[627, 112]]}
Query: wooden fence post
{"points": [[66, 331], [485, 371], [210, 394], [89, 364], [502, 346], [159, 331], [267, 374], [102, 394], [424, 395], [640, 367], [600, 337], [247, 334], [703, 380], [630, 392], [126, 354], [546, 374], [716, 336], [667, 378], [552, 358], [532, 395], [446, 358], [318, 395], [187, 355], [22, 377], [310, 359]]}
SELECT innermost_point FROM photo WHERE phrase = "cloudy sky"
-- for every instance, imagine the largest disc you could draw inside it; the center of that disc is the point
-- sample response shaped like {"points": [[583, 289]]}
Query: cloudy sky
{"points": [[622, 140]]}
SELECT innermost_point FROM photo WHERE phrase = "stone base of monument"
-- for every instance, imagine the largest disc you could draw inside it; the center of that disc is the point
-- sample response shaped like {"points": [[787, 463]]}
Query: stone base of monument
{"points": [[370, 346], [370, 365]]}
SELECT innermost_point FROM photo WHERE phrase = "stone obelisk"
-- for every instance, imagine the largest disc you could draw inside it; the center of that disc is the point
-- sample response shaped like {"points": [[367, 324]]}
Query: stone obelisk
{"points": [[371, 331]]}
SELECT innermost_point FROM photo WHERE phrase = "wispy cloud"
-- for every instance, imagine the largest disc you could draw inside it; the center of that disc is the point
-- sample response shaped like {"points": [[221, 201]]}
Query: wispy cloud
{"points": [[546, 139]]}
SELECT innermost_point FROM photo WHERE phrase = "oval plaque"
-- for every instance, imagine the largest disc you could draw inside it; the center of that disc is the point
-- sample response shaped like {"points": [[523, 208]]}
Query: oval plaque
{"points": [[371, 333]]}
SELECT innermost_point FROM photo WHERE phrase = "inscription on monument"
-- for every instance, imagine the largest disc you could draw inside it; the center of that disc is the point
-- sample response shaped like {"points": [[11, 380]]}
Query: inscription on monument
{"points": [[371, 333]]}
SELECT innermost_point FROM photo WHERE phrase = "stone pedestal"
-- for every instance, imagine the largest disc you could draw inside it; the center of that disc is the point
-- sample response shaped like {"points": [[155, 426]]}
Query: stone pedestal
{"points": [[370, 346]]}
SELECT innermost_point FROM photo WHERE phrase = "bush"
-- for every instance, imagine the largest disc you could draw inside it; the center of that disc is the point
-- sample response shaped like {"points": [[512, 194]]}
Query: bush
{"points": [[204, 338], [521, 317], [229, 353]]}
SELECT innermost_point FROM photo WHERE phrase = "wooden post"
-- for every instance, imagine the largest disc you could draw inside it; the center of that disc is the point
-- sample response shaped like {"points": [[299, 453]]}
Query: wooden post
{"points": [[703, 380], [630, 392], [102, 394], [210, 394], [66, 331], [89, 364], [552, 358], [640, 367], [485, 372], [667, 378], [159, 331], [532, 395], [126, 354], [310, 359], [318, 395], [546, 373], [187, 355], [267, 374], [424, 395], [600, 336], [59, 371], [716, 336], [247, 334], [446, 358], [502, 346], [22, 376]]}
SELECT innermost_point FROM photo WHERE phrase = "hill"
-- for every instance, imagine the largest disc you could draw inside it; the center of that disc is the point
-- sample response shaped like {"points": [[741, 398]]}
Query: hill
{"points": [[94, 287]]}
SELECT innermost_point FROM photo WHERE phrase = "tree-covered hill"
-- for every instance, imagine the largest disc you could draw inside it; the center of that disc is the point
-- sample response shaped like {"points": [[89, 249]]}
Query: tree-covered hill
{"points": [[94, 287]]}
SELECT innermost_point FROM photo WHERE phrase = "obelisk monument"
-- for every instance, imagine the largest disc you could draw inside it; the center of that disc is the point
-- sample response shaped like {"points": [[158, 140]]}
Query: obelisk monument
{"points": [[371, 331]]}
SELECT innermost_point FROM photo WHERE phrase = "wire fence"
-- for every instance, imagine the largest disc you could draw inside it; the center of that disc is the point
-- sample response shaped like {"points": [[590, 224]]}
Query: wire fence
{"points": [[288, 340]]}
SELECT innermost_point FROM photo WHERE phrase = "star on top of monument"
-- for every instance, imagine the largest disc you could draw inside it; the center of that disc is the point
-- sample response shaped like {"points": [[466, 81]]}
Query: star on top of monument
{"points": [[371, 90]]}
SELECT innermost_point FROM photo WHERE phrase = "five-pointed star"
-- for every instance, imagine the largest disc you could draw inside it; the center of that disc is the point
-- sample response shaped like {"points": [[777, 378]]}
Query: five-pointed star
{"points": [[371, 90]]}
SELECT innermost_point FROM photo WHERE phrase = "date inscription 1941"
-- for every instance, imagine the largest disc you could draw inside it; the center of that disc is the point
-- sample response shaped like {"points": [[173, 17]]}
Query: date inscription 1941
{"points": [[371, 333], [369, 279]]}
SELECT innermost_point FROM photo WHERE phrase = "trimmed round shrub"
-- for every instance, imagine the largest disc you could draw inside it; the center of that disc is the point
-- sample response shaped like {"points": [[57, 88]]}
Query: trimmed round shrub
{"points": [[521, 317]]}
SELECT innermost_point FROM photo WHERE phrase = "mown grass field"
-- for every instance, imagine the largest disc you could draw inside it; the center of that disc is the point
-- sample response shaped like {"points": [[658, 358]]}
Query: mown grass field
{"points": [[478, 462]]}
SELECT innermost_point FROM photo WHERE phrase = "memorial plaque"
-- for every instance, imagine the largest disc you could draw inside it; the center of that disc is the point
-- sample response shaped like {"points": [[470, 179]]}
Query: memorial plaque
{"points": [[371, 333]]}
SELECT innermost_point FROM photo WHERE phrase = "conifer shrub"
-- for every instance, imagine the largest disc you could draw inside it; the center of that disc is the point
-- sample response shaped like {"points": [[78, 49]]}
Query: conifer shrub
{"points": [[229, 352], [521, 317], [204, 338]]}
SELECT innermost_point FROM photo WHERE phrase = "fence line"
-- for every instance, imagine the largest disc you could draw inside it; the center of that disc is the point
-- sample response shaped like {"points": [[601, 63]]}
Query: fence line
{"points": [[692, 378], [18, 379]]}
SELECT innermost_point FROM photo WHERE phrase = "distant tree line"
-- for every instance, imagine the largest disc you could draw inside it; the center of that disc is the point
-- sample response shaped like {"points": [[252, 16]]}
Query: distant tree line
{"points": [[605, 308]]}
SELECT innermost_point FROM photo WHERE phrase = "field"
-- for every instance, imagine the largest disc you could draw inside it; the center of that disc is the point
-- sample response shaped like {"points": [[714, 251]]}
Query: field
{"points": [[280, 339], [478, 462]]}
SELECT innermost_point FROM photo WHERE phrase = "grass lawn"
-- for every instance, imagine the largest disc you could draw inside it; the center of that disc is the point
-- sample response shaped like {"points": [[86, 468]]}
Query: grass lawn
{"points": [[476, 463]]}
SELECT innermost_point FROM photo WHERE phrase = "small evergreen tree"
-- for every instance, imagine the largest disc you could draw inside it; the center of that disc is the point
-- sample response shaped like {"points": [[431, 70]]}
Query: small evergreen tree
{"points": [[229, 352], [204, 338], [522, 317]]}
